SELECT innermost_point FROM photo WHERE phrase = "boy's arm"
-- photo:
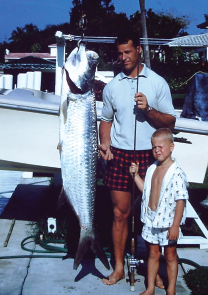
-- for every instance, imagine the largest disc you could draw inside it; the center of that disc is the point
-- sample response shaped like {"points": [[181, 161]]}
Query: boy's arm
{"points": [[133, 169], [173, 232], [139, 182]]}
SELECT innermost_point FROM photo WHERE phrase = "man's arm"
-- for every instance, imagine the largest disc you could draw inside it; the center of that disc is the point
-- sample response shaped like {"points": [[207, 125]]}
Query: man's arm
{"points": [[104, 134], [156, 118], [160, 120]]}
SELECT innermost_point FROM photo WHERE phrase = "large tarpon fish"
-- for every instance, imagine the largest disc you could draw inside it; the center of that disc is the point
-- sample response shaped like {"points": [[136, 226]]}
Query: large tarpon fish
{"points": [[79, 145]]}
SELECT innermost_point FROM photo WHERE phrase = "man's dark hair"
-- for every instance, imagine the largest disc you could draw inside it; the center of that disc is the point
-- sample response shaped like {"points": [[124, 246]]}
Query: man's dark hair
{"points": [[126, 35]]}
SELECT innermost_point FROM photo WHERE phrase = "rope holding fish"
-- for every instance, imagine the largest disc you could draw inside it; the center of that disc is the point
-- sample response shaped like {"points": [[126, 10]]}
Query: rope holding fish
{"points": [[83, 23]]}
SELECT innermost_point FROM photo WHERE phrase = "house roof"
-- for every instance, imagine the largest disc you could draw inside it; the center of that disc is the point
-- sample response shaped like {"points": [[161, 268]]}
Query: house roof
{"points": [[190, 41], [21, 55], [29, 62]]}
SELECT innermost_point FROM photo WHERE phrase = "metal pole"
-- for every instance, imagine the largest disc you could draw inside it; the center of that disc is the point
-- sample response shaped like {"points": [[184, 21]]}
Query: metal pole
{"points": [[144, 34]]}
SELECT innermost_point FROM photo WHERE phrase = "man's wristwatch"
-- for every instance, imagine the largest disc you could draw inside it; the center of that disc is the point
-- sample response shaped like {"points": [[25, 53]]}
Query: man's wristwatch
{"points": [[149, 110]]}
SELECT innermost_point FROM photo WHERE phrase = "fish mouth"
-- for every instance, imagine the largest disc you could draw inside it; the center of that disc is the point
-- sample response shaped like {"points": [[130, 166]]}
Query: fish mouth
{"points": [[73, 88]]}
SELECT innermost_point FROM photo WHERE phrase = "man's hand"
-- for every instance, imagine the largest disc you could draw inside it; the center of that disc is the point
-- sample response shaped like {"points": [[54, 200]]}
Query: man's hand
{"points": [[105, 152], [141, 102]]}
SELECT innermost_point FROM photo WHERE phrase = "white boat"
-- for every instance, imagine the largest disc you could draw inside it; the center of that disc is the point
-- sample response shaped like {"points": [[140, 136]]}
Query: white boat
{"points": [[30, 134], [29, 131]]}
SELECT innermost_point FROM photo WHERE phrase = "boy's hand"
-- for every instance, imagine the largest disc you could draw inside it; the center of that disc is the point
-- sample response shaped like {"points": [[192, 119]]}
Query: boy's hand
{"points": [[173, 233], [133, 169]]}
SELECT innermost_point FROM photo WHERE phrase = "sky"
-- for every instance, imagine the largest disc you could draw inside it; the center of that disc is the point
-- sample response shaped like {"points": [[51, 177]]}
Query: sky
{"points": [[18, 13]]}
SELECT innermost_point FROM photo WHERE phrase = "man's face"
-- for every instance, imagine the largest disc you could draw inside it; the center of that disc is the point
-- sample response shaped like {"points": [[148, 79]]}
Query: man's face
{"points": [[129, 57]]}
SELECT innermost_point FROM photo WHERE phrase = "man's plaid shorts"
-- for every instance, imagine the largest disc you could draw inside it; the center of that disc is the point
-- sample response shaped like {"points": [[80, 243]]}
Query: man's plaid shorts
{"points": [[117, 176]]}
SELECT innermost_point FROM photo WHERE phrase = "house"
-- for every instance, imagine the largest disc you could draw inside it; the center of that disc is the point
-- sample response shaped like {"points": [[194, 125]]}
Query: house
{"points": [[198, 43], [17, 64]]}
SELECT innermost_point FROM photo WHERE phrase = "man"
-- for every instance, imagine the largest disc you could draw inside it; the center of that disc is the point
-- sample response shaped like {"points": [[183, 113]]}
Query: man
{"points": [[152, 105]]}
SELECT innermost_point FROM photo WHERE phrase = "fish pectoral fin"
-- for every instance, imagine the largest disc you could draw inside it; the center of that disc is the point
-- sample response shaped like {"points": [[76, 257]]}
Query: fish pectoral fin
{"points": [[99, 252], [62, 199], [64, 110]]}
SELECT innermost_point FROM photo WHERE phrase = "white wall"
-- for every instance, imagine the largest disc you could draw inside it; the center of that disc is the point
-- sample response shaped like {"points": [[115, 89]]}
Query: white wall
{"points": [[6, 81], [31, 80]]}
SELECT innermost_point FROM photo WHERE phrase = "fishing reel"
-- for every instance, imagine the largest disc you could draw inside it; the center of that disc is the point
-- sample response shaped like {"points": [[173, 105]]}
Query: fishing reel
{"points": [[132, 264]]}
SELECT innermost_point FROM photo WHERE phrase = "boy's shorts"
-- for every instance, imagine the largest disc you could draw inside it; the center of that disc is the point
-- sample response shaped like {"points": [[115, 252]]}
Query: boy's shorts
{"points": [[117, 176], [156, 235]]}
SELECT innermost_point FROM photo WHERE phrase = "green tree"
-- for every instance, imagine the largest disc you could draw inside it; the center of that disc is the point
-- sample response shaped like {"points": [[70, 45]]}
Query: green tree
{"points": [[161, 25], [102, 20], [22, 39], [36, 47], [17, 35]]}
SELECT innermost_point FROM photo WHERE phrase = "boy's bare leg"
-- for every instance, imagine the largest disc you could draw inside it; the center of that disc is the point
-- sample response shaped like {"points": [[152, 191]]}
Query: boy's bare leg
{"points": [[152, 268], [122, 206], [159, 282], [172, 268]]}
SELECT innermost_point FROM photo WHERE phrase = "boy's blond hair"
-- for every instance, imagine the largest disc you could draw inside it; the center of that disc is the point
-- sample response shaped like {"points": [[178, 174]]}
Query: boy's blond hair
{"points": [[163, 132]]}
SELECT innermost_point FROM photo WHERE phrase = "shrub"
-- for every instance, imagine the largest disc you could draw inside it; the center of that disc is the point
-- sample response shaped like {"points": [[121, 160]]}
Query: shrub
{"points": [[197, 280]]}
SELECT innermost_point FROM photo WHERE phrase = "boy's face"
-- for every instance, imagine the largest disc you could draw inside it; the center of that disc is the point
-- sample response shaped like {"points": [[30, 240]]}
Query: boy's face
{"points": [[162, 148]]}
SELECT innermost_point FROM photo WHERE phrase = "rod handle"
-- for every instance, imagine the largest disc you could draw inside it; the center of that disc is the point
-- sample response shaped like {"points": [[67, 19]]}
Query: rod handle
{"points": [[132, 246], [132, 286]]}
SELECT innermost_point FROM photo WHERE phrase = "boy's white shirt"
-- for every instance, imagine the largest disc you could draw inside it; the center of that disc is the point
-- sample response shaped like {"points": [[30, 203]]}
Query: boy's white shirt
{"points": [[173, 188]]}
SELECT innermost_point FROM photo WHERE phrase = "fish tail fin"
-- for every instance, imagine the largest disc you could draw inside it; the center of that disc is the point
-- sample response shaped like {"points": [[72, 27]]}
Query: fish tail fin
{"points": [[98, 250], [85, 243], [83, 246]]}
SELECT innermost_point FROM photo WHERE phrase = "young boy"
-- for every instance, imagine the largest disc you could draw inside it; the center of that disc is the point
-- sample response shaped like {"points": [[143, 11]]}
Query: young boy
{"points": [[162, 208]]}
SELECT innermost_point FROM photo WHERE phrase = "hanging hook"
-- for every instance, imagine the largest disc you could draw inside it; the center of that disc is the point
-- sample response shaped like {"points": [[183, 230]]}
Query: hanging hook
{"points": [[79, 42]]}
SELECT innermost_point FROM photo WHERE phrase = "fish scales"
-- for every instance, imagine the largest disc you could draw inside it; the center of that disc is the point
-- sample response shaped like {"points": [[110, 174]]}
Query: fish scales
{"points": [[79, 156], [79, 145]]}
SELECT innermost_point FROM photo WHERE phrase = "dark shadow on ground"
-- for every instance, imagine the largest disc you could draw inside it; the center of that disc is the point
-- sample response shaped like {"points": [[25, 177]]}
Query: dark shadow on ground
{"points": [[30, 202], [88, 267], [38, 202]]}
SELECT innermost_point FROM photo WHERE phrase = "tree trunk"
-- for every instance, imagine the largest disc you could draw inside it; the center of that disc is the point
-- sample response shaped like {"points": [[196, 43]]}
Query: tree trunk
{"points": [[144, 34]]}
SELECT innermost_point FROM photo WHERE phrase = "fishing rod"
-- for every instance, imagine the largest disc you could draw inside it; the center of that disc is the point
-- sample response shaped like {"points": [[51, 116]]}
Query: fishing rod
{"points": [[133, 262]]}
